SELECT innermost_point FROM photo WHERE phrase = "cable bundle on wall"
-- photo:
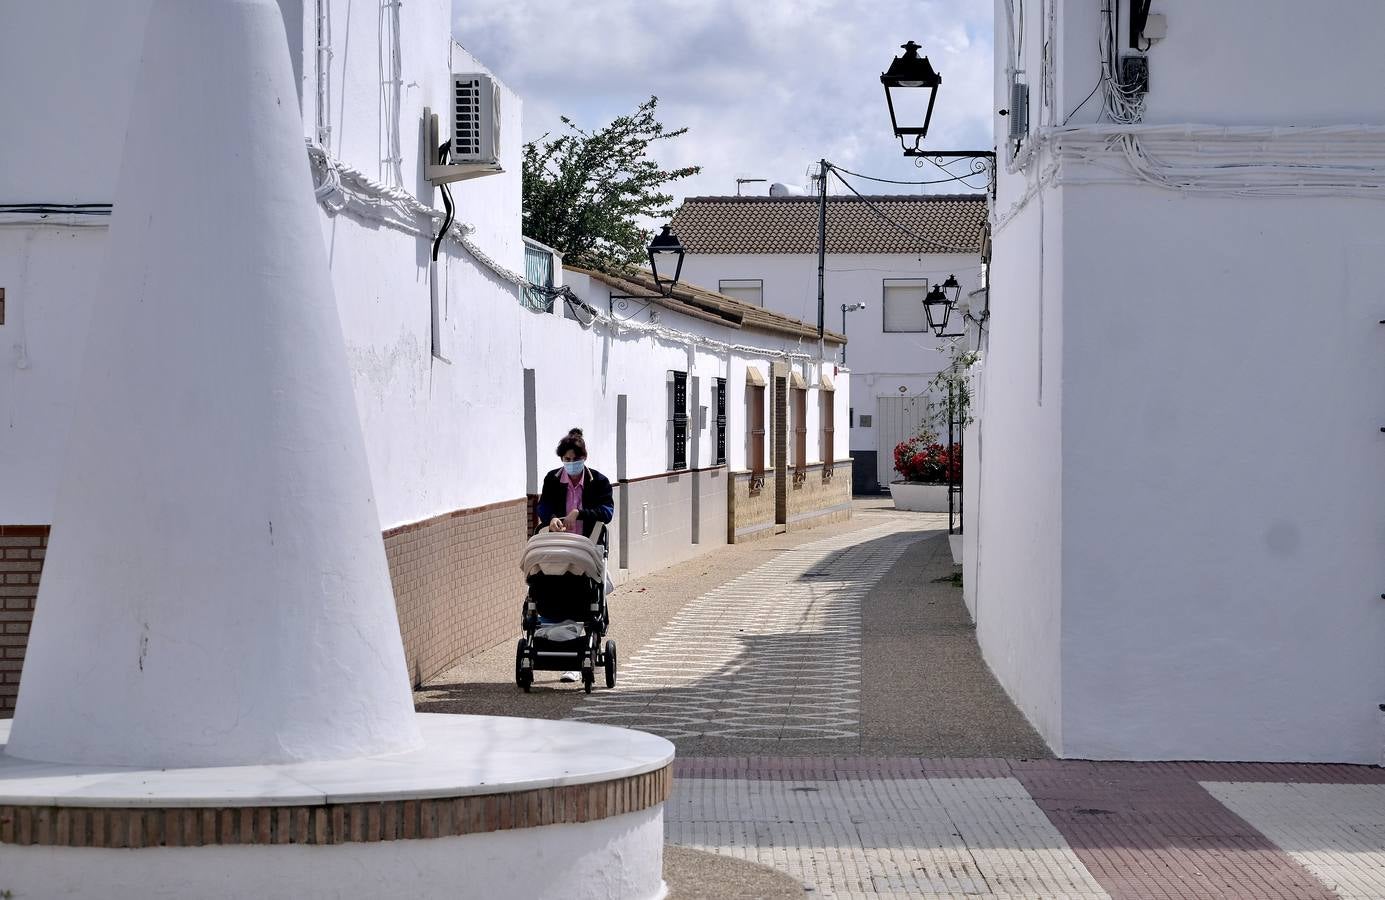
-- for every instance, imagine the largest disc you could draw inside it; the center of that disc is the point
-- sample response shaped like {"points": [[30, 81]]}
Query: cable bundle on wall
{"points": [[1248, 161]]}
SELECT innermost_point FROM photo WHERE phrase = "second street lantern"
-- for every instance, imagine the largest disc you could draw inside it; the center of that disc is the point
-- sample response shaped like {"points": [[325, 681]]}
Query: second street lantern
{"points": [[936, 307], [666, 259]]}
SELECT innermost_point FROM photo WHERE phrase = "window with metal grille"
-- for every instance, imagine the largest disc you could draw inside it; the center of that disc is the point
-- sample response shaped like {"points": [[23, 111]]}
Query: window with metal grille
{"points": [[538, 269], [721, 421], [678, 416], [755, 424], [800, 428], [827, 416]]}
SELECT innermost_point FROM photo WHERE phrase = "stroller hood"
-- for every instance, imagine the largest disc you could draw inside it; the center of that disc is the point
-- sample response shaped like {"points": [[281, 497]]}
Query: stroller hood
{"points": [[561, 553]]}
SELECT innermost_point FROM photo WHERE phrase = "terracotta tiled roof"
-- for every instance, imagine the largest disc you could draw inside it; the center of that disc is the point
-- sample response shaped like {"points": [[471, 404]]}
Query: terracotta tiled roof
{"points": [[700, 303], [948, 223]]}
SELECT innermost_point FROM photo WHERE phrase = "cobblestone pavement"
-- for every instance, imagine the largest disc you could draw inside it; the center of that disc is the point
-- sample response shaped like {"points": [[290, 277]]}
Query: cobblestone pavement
{"points": [[836, 725], [774, 654], [1040, 829]]}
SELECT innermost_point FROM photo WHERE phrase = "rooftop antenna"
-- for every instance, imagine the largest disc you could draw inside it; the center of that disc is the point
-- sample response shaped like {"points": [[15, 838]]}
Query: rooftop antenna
{"points": [[741, 181]]}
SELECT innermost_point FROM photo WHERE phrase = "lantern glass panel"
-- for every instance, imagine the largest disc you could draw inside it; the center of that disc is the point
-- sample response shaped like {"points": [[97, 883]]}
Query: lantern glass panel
{"points": [[937, 309], [666, 259], [952, 289], [911, 108]]}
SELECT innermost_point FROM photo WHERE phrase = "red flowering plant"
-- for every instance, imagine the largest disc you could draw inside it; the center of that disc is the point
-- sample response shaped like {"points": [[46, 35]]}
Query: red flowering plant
{"points": [[923, 460]]}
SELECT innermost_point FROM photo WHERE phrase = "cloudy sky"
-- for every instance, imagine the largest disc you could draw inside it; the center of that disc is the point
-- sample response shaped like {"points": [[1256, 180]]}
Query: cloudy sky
{"points": [[765, 87]]}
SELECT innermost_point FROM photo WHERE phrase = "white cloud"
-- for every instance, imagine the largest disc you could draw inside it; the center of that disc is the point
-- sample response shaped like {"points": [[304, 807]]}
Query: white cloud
{"points": [[766, 88]]}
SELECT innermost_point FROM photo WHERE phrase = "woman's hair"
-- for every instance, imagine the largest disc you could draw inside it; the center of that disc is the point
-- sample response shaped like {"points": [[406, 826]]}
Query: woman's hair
{"points": [[573, 441]]}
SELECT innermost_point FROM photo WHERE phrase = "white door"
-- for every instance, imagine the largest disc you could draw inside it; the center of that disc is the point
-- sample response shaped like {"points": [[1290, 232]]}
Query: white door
{"points": [[896, 419]]}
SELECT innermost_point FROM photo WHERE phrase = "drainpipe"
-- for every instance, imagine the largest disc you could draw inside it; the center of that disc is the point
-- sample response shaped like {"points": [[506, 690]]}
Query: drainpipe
{"points": [[324, 64]]}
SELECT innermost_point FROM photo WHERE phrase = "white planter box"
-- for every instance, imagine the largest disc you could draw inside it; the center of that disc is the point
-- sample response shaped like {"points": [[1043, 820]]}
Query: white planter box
{"points": [[919, 497]]}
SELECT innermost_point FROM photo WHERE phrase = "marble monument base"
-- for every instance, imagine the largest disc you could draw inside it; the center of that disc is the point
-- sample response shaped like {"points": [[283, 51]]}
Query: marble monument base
{"points": [[490, 807]]}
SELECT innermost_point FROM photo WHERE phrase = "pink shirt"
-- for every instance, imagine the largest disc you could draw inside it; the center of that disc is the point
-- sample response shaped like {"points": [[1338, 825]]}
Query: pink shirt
{"points": [[574, 490]]}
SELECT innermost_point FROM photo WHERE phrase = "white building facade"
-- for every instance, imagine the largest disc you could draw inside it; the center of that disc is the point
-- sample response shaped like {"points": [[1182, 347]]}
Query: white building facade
{"points": [[1175, 549], [463, 386], [883, 251]]}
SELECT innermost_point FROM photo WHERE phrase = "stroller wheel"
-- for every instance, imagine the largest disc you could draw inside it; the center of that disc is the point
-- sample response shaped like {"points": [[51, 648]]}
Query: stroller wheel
{"points": [[524, 676], [588, 678], [610, 664]]}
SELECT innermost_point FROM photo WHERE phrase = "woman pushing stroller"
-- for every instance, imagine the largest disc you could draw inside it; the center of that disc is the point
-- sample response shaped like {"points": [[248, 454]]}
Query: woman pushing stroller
{"points": [[575, 496], [565, 616]]}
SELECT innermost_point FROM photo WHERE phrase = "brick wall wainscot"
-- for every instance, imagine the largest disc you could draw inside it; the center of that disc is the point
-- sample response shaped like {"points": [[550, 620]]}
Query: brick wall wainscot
{"points": [[811, 501], [22, 548], [820, 495], [457, 583], [749, 506]]}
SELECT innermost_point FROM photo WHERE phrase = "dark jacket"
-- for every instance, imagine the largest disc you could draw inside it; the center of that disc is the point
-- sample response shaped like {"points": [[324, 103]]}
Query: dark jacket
{"points": [[598, 504]]}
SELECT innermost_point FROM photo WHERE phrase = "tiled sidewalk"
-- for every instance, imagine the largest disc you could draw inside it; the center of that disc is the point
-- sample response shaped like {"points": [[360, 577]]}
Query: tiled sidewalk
{"points": [[1041, 829]]}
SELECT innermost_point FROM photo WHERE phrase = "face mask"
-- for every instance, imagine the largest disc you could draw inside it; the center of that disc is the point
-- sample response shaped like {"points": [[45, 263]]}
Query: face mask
{"points": [[574, 468]]}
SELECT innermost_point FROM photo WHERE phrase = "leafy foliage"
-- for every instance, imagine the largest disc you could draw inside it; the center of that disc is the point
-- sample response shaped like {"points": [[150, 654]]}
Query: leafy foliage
{"points": [[584, 192]]}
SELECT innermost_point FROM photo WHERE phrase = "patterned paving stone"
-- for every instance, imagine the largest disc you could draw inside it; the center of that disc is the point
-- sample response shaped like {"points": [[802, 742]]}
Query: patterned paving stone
{"points": [[885, 838], [1150, 830], [774, 654], [1335, 831]]}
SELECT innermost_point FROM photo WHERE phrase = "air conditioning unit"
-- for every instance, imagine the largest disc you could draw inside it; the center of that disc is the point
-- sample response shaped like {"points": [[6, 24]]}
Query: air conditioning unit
{"points": [[475, 120], [473, 146]]}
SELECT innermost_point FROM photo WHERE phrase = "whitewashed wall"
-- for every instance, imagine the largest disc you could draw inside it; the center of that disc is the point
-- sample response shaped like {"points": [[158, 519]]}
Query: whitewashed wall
{"points": [[1167, 567], [880, 362], [48, 273], [440, 435], [603, 367], [1016, 534]]}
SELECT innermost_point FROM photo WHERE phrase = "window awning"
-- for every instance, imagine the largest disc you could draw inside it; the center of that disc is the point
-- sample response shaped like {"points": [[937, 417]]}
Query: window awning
{"points": [[796, 380], [826, 382], [754, 377]]}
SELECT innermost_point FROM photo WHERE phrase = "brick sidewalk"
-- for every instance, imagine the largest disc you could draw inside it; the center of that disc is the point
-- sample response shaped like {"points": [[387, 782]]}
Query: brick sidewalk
{"points": [[1040, 829]]}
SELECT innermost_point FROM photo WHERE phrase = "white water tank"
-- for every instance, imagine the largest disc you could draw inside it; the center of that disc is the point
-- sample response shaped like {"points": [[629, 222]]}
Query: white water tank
{"points": [[779, 189]]}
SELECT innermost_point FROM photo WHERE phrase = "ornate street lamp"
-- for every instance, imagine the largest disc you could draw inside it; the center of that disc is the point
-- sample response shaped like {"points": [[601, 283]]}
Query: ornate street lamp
{"points": [[911, 86], [937, 308], [952, 290], [666, 255], [939, 305]]}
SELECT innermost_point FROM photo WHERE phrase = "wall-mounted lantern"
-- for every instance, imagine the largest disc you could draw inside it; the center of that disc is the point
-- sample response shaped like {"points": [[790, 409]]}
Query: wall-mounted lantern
{"points": [[937, 308], [911, 86], [666, 259]]}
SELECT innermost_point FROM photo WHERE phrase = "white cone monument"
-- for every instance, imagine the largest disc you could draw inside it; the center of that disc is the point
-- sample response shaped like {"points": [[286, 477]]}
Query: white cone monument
{"points": [[216, 591]]}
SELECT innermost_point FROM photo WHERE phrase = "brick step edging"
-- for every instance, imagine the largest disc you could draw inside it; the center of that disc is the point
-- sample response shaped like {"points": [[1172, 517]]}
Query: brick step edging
{"points": [[389, 820]]}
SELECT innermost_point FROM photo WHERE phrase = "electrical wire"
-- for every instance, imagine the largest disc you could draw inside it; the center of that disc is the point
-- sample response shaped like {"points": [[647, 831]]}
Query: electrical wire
{"points": [[444, 153], [1096, 87], [883, 216], [56, 215], [959, 178]]}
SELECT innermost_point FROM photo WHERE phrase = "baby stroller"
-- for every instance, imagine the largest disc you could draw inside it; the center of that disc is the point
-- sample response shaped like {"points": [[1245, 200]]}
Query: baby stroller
{"points": [[565, 617]]}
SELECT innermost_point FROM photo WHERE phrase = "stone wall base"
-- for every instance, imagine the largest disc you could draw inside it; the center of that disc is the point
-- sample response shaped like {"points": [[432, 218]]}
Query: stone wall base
{"points": [[457, 583]]}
